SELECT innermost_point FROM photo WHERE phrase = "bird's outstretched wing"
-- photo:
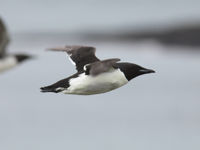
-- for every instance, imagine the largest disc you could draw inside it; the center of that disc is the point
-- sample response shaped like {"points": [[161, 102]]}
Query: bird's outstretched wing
{"points": [[100, 66], [4, 38], [80, 55]]}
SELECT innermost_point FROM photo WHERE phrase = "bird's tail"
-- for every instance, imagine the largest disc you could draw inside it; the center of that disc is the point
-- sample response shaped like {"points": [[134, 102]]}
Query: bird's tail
{"points": [[50, 89]]}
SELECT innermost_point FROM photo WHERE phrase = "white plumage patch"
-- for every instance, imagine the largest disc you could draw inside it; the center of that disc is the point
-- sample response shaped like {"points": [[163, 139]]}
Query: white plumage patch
{"points": [[71, 60], [104, 82], [7, 63]]}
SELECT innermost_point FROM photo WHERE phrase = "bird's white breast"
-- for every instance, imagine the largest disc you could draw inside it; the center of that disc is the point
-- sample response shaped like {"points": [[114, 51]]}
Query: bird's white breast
{"points": [[104, 82], [7, 63]]}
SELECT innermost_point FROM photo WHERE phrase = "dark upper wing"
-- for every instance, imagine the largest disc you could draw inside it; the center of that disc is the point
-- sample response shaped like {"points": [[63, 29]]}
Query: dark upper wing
{"points": [[80, 55], [4, 38], [101, 66]]}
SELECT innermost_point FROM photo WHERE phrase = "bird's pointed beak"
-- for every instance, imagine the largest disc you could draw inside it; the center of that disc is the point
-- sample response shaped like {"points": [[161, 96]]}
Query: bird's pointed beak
{"points": [[145, 71]]}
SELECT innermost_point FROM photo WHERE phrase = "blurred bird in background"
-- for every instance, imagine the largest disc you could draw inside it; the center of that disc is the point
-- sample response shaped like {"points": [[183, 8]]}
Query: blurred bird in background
{"points": [[8, 61]]}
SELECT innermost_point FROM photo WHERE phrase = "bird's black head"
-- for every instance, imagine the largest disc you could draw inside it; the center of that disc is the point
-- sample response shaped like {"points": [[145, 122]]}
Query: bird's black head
{"points": [[132, 70], [22, 57]]}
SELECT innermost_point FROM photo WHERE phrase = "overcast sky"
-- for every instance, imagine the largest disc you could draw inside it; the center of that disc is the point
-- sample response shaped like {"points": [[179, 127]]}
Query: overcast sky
{"points": [[73, 15]]}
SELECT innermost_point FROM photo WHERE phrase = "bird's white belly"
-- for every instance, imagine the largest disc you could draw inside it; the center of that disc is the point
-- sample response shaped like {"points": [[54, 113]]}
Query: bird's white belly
{"points": [[7, 63], [86, 85]]}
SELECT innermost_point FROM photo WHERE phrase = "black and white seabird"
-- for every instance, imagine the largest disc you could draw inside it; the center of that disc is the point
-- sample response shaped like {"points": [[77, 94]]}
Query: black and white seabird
{"points": [[94, 76], [8, 61]]}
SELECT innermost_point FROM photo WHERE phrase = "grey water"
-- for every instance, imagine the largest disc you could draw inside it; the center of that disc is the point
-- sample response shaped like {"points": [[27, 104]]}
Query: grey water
{"points": [[155, 111]]}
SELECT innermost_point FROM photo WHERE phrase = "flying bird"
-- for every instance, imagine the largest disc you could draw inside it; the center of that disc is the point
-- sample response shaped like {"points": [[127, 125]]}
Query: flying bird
{"points": [[94, 76], [8, 61]]}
